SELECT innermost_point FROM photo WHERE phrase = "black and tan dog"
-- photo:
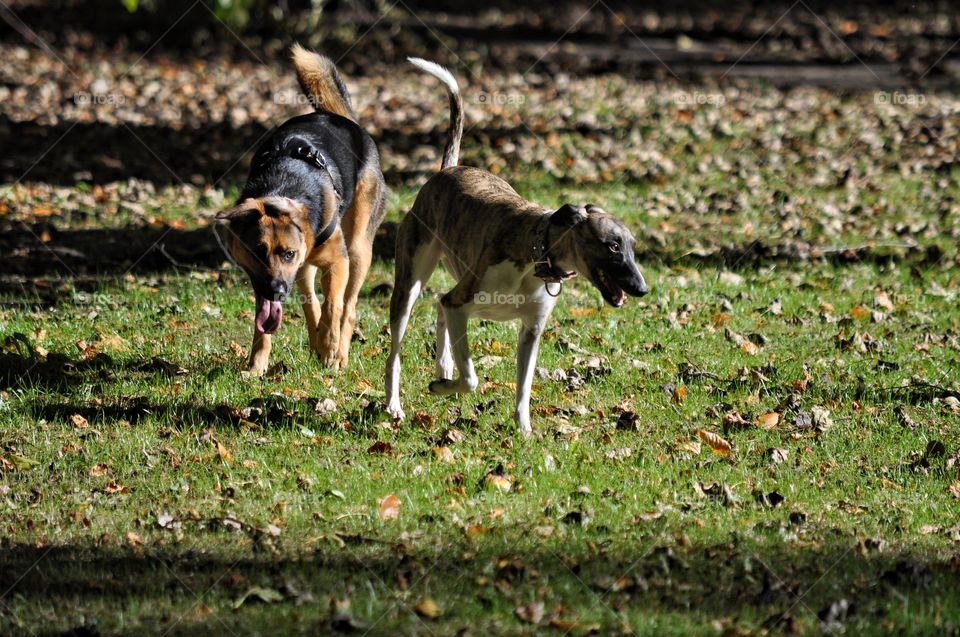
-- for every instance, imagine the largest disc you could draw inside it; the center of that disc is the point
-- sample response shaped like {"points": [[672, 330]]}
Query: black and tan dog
{"points": [[314, 199], [505, 252]]}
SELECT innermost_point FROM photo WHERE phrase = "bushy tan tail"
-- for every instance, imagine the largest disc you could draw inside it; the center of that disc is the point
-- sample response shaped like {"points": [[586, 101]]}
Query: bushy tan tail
{"points": [[451, 152], [321, 82]]}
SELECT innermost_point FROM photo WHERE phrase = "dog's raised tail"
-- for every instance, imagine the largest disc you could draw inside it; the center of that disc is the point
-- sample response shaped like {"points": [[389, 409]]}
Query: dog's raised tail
{"points": [[451, 152], [321, 82]]}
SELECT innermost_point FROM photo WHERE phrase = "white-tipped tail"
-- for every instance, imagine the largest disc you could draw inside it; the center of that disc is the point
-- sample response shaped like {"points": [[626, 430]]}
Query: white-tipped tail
{"points": [[451, 152], [436, 71]]}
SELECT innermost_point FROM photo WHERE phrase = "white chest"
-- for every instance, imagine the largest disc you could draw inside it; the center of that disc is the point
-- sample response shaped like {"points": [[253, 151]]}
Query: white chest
{"points": [[507, 292]]}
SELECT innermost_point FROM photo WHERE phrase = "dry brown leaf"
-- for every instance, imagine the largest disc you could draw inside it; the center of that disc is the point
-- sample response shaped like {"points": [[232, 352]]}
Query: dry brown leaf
{"points": [[443, 454], [768, 420], [720, 319], [499, 481], [717, 444], [389, 507], [79, 421], [380, 446], [531, 613], [882, 299], [113, 487], [98, 470], [428, 608], [224, 454]]}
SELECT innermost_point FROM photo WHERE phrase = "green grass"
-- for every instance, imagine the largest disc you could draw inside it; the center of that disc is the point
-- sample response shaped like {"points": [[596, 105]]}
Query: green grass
{"points": [[146, 486], [605, 538]]}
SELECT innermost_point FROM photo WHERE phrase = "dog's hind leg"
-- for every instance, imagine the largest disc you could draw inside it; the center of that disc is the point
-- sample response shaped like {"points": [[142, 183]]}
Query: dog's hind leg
{"points": [[359, 226], [454, 305], [360, 257], [306, 283], [413, 270], [444, 355]]}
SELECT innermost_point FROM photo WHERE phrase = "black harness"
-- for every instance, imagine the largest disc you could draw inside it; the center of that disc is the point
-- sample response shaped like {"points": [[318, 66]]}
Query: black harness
{"points": [[543, 267], [299, 148]]}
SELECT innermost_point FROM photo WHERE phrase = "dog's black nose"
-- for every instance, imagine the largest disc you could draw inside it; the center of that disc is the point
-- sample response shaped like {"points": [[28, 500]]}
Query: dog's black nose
{"points": [[280, 289]]}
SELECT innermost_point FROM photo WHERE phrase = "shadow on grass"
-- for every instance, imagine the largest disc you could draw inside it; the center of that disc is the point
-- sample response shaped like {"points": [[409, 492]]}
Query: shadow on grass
{"points": [[120, 251], [770, 585]]}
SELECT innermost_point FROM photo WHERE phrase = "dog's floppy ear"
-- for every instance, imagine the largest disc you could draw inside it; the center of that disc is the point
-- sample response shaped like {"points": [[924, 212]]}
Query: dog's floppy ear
{"points": [[568, 216], [243, 208]]}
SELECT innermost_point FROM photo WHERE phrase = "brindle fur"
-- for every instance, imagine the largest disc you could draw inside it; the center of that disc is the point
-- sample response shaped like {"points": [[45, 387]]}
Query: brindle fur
{"points": [[486, 235], [300, 204]]}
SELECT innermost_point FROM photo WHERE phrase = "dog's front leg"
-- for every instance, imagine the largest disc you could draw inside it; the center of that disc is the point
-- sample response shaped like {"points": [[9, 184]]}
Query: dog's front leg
{"points": [[455, 317], [528, 344], [259, 353], [306, 283], [334, 282]]}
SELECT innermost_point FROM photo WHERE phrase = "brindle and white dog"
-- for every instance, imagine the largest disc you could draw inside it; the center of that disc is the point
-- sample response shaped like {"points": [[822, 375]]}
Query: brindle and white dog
{"points": [[509, 257]]}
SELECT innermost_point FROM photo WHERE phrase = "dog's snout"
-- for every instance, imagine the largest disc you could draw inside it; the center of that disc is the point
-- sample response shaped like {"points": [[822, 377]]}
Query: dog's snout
{"points": [[280, 289]]}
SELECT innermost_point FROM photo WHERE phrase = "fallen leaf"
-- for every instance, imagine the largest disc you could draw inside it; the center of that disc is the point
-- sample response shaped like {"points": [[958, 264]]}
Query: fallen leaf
{"points": [[679, 395], [98, 470], [113, 487], [768, 420], [428, 608], [498, 479], [380, 446], [777, 455], [389, 507], [223, 453], [258, 593], [882, 299], [443, 454], [717, 444], [20, 463], [531, 613], [79, 421]]}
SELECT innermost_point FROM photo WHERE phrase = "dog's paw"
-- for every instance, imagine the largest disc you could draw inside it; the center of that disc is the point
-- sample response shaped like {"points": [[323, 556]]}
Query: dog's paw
{"points": [[395, 410], [253, 371], [330, 361]]}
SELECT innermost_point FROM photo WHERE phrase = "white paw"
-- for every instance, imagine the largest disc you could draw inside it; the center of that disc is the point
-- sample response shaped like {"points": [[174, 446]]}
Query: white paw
{"points": [[523, 422], [395, 410]]}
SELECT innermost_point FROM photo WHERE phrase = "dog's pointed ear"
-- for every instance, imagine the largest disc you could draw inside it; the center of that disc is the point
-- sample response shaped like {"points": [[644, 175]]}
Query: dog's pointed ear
{"points": [[568, 216], [245, 207], [275, 205]]}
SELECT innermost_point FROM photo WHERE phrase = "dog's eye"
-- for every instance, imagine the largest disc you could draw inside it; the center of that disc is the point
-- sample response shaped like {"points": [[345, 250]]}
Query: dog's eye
{"points": [[614, 246], [289, 255]]}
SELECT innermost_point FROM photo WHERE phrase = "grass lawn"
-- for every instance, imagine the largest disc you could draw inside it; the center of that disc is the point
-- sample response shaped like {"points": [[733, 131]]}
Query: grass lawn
{"points": [[766, 445]]}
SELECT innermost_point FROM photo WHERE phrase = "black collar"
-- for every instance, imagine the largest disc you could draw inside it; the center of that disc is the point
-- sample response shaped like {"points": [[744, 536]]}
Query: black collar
{"points": [[299, 148], [543, 267]]}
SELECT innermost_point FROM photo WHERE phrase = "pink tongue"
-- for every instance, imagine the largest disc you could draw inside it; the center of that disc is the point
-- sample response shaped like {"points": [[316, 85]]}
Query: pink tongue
{"points": [[269, 315]]}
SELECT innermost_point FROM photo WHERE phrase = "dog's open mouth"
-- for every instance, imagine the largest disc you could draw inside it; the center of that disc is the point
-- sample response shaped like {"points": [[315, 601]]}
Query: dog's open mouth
{"points": [[611, 292], [269, 315]]}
